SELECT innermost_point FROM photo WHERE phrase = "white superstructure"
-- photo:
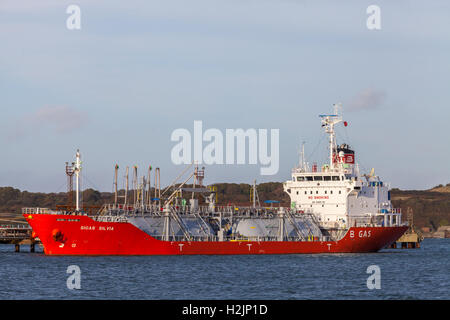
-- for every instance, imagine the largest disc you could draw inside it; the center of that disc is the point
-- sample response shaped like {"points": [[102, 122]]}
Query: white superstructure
{"points": [[335, 192]]}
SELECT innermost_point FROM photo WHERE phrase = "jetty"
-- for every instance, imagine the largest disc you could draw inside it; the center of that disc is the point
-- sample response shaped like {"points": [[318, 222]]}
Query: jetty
{"points": [[17, 234], [411, 239]]}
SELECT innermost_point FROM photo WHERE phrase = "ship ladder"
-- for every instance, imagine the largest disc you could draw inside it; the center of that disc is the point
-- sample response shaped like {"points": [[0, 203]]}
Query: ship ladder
{"points": [[291, 219], [181, 224], [203, 225]]}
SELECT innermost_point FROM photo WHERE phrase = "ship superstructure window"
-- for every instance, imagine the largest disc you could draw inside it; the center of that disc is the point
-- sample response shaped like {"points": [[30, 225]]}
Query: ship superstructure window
{"points": [[327, 178], [318, 178], [306, 192], [300, 178], [309, 178], [335, 178]]}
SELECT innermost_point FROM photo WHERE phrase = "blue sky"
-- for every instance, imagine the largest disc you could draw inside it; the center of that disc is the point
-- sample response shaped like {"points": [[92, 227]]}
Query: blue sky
{"points": [[138, 70]]}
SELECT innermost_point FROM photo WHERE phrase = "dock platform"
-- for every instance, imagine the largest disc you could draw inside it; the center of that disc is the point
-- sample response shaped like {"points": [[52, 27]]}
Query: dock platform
{"points": [[18, 234]]}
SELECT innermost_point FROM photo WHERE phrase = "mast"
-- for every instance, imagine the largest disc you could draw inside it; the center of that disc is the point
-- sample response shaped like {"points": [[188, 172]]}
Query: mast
{"points": [[116, 168], [254, 193], [77, 170], [157, 185], [329, 121], [126, 188], [149, 182], [302, 163], [135, 185], [143, 195], [69, 173]]}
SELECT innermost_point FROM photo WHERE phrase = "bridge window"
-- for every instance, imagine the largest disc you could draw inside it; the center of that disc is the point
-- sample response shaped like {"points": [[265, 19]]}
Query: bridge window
{"points": [[309, 178], [335, 178], [318, 178], [327, 178], [300, 178]]}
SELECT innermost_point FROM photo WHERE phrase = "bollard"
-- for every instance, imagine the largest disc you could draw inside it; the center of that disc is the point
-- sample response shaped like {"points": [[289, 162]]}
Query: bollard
{"points": [[17, 247], [32, 247]]}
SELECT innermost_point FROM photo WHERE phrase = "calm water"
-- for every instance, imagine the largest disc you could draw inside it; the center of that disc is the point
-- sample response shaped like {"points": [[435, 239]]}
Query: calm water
{"points": [[405, 274]]}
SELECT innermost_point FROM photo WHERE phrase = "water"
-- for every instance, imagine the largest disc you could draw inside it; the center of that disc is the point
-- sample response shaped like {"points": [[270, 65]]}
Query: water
{"points": [[405, 274]]}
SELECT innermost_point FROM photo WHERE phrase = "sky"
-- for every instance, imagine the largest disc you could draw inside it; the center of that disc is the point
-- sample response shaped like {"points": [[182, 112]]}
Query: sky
{"points": [[137, 70]]}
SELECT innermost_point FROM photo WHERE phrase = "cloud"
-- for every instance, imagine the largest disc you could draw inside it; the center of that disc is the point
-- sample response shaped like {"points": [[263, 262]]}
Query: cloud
{"points": [[61, 119], [367, 99]]}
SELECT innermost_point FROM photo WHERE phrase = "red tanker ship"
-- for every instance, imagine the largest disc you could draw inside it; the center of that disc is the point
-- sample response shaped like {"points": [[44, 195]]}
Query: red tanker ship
{"points": [[333, 209]]}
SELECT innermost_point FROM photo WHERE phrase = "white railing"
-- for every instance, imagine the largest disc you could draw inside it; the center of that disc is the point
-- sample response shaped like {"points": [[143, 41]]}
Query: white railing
{"points": [[37, 211]]}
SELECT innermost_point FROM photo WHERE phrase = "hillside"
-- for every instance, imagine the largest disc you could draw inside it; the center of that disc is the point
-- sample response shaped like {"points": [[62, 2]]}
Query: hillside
{"points": [[441, 188], [431, 208]]}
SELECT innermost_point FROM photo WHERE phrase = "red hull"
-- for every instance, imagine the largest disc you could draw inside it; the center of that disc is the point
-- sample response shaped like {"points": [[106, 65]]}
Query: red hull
{"points": [[80, 235]]}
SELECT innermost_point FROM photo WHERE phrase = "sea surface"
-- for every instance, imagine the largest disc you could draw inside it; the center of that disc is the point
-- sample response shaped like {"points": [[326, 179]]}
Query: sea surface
{"points": [[404, 274]]}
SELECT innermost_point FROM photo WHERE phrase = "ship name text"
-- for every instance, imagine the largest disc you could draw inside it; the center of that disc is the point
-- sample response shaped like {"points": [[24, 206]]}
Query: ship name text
{"points": [[100, 228]]}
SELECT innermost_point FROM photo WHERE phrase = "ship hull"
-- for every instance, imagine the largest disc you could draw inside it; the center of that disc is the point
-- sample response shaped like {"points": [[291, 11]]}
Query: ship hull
{"points": [[81, 235]]}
